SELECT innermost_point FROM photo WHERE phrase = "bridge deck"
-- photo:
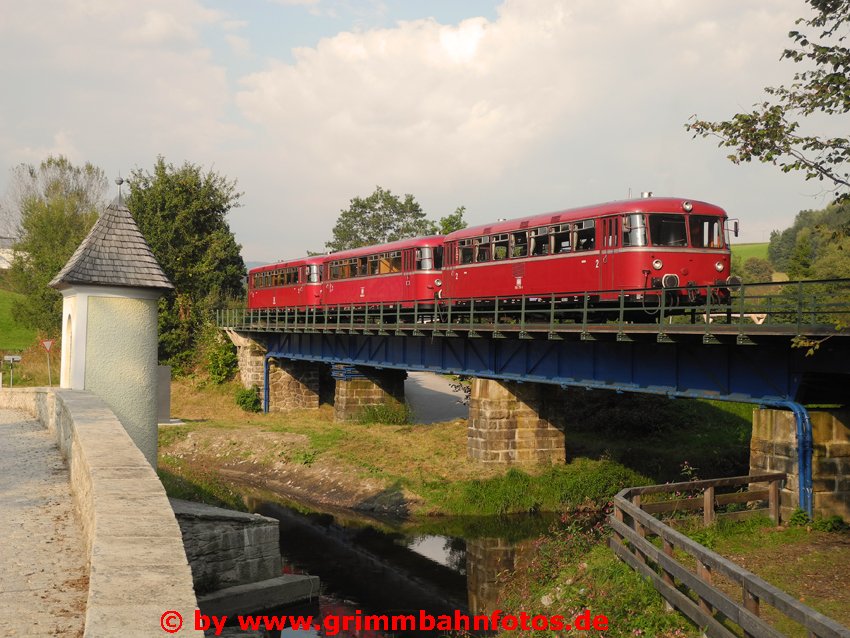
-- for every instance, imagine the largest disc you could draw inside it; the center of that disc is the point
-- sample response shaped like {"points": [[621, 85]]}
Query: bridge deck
{"points": [[43, 572]]}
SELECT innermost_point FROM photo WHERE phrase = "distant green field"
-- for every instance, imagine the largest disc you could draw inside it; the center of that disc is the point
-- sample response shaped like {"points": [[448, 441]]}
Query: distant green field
{"points": [[12, 336], [745, 251]]}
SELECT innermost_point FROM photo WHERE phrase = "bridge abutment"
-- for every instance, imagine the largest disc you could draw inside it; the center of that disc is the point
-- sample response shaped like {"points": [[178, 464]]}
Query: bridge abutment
{"points": [[509, 423], [773, 448], [360, 387]]}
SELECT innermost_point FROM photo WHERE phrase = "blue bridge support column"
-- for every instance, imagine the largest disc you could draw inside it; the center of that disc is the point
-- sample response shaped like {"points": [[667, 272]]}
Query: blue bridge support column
{"points": [[358, 387], [509, 422]]}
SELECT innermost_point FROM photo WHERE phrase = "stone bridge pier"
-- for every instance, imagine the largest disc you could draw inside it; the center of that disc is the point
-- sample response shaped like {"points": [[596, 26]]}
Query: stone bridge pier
{"points": [[299, 385], [513, 422], [773, 448]]}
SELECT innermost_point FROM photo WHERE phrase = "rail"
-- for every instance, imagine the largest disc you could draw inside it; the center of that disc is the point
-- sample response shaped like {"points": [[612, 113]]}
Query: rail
{"points": [[692, 592], [800, 308]]}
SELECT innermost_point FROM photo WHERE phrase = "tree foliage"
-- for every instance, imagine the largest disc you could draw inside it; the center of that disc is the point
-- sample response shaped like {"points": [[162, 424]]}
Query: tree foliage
{"points": [[55, 204], [799, 249], [383, 217], [757, 269], [772, 132], [182, 212]]}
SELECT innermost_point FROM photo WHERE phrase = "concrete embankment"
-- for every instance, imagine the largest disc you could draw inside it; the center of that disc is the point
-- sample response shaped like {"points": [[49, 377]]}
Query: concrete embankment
{"points": [[137, 566]]}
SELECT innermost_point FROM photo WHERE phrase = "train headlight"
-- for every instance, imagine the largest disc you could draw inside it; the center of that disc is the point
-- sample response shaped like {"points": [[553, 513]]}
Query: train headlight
{"points": [[687, 207], [657, 264], [719, 266], [438, 282]]}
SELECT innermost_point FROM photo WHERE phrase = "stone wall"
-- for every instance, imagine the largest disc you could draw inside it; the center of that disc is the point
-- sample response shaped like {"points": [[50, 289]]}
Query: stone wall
{"points": [[773, 448], [510, 422], [138, 567], [363, 387], [293, 385], [227, 548]]}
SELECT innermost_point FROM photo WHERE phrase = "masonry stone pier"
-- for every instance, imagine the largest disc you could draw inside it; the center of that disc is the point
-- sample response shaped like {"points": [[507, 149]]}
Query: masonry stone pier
{"points": [[293, 385], [487, 562], [359, 387], [773, 448], [511, 422]]}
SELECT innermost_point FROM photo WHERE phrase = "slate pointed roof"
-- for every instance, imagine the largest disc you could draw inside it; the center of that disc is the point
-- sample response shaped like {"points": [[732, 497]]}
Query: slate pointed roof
{"points": [[114, 253]]}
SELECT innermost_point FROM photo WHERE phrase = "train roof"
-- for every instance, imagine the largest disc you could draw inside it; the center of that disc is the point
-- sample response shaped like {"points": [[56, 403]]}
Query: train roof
{"points": [[642, 205], [414, 242], [289, 263]]}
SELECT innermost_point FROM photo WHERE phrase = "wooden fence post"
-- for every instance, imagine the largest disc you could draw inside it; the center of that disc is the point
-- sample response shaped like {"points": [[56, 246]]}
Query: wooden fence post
{"points": [[751, 604], [708, 506], [773, 500]]}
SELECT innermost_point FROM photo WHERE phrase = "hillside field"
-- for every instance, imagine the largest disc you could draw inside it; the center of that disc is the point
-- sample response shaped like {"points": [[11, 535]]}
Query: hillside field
{"points": [[12, 336], [745, 251]]}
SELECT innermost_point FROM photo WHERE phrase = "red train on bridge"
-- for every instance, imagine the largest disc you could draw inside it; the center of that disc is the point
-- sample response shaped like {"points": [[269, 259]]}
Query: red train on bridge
{"points": [[640, 248]]}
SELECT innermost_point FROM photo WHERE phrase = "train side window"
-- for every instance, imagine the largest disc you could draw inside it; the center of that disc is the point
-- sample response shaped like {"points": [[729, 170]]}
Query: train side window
{"points": [[585, 235], [634, 230], [611, 237], [482, 249], [425, 258], [465, 251], [540, 241], [500, 246], [395, 261], [520, 244], [561, 241], [374, 265], [438, 258]]}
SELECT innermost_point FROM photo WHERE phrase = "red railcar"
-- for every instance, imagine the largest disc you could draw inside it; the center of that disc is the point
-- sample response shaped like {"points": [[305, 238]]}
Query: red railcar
{"points": [[400, 273], [293, 283], [672, 244]]}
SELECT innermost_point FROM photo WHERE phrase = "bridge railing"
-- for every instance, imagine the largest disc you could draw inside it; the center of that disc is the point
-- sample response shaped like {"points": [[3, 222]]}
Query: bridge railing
{"points": [[692, 590], [801, 307]]}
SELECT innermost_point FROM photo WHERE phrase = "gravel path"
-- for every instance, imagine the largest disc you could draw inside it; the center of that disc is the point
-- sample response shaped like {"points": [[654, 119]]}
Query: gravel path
{"points": [[432, 398], [43, 573]]}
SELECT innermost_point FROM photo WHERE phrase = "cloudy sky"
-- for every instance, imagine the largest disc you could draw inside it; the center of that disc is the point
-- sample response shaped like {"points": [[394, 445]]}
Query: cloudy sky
{"points": [[508, 108]]}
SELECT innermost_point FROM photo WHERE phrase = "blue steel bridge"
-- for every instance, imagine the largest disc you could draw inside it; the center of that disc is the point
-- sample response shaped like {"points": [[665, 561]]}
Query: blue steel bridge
{"points": [[775, 344]]}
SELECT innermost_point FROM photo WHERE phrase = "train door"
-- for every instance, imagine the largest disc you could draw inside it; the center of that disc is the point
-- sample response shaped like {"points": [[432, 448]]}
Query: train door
{"points": [[408, 266], [609, 243]]}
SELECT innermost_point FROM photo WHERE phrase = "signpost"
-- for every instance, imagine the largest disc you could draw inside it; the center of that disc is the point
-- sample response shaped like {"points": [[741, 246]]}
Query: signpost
{"points": [[47, 343], [12, 359]]}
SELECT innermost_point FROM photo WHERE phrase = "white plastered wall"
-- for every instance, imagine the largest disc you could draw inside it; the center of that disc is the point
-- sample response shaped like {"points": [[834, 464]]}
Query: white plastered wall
{"points": [[112, 351]]}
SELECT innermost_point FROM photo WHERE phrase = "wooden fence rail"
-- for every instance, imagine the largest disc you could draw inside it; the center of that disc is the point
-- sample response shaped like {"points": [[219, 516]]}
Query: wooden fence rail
{"points": [[692, 592]]}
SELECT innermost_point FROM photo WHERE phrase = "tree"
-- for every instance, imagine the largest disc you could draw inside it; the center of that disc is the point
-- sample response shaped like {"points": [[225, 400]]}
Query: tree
{"points": [[452, 222], [771, 132], [383, 217], [182, 214], [757, 269], [55, 204]]}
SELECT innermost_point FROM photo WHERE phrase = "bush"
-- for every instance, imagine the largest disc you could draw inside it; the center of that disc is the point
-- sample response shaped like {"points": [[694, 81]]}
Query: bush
{"points": [[249, 399]]}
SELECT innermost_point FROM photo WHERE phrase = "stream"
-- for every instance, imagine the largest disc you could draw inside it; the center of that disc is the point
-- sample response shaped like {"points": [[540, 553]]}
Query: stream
{"points": [[438, 566]]}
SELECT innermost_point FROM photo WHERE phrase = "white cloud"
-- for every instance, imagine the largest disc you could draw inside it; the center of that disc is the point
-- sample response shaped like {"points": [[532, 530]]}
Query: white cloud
{"points": [[551, 104]]}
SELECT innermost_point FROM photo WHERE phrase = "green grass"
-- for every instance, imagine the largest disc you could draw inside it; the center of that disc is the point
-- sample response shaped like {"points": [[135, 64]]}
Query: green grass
{"points": [[745, 251], [12, 335], [515, 491]]}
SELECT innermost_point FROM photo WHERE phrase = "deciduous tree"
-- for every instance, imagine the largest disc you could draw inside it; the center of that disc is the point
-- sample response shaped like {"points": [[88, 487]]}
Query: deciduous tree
{"points": [[182, 212], [383, 217], [54, 205]]}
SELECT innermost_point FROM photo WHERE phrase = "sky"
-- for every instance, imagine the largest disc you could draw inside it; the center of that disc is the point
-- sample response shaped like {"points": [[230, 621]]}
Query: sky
{"points": [[508, 108]]}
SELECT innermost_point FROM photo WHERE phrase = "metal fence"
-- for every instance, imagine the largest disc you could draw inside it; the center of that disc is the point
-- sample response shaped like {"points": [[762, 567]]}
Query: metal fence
{"points": [[799, 308]]}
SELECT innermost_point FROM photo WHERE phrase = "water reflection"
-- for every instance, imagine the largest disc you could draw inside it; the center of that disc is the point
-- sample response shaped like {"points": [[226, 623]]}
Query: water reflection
{"points": [[439, 565]]}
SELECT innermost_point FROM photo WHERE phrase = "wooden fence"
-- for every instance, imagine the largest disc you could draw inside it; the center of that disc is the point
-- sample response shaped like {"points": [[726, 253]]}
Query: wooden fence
{"points": [[692, 592]]}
